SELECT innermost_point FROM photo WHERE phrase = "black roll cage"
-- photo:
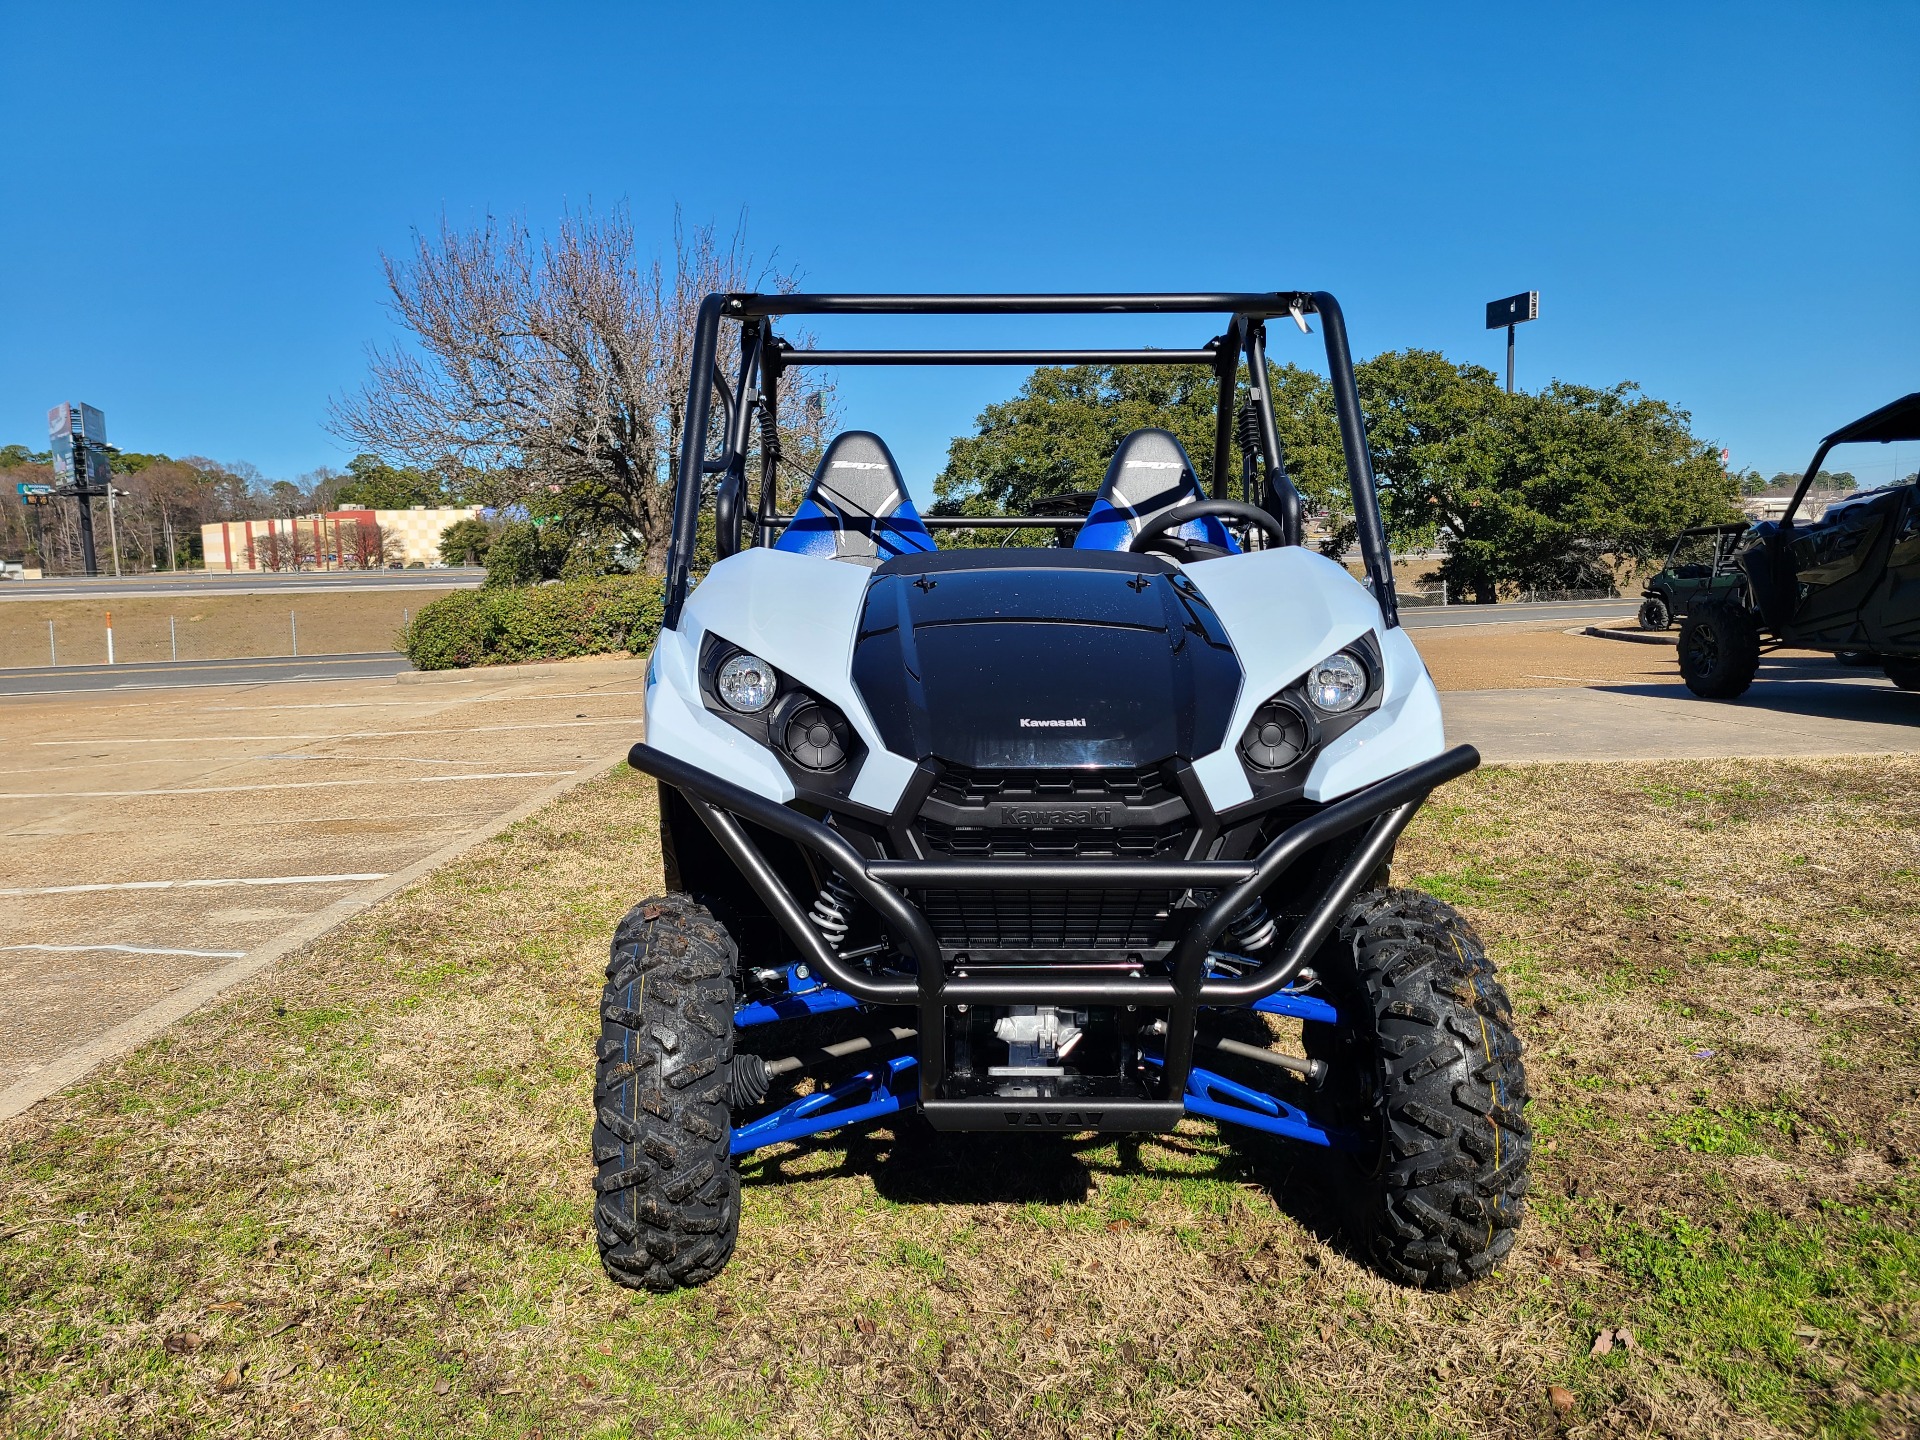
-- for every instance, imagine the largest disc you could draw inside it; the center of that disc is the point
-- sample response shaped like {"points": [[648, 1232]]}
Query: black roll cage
{"points": [[764, 356]]}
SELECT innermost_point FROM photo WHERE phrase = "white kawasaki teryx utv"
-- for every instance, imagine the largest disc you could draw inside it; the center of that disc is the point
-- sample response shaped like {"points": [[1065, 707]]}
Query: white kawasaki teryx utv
{"points": [[1041, 820]]}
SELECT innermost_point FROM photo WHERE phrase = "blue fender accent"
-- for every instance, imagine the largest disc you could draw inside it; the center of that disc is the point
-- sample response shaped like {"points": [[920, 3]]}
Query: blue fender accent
{"points": [[1299, 1007], [812, 1114], [804, 997]]}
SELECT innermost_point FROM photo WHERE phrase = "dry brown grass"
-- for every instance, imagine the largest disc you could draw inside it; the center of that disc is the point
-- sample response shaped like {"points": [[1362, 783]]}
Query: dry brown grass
{"points": [[208, 626], [359, 1189]]}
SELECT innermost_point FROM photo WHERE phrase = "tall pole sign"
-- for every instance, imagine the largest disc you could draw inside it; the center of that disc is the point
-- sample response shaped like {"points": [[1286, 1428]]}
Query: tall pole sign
{"points": [[83, 466], [1512, 311]]}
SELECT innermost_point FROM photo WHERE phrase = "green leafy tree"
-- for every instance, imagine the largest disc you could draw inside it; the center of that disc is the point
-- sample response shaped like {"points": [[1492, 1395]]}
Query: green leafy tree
{"points": [[466, 542], [372, 484], [1547, 491]]}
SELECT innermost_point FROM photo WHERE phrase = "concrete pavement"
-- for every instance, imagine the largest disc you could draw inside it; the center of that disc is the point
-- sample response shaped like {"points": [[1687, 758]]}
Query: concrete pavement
{"points": [[1798, 707], [188, 674]]}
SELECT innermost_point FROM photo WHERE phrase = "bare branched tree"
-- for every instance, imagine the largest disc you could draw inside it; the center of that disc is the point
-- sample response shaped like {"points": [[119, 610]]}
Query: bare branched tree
{"points": [[553, 371]]}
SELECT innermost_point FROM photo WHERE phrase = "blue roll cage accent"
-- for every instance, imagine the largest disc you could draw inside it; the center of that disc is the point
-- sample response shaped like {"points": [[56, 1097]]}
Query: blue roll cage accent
{"points": [[1207, 1094]]}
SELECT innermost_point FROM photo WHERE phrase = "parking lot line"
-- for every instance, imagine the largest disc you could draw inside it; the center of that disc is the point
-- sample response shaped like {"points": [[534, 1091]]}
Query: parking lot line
{"points": [[348, 734], [195, 884], [133, 950], [278, 785]]}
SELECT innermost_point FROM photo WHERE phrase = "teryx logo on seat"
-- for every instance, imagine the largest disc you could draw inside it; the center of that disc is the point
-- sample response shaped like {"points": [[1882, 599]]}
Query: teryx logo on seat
{"points": [[1071, 1119]]}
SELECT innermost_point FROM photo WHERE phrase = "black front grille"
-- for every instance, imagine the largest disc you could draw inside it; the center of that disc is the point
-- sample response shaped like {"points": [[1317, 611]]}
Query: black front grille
{"points": [[1047, 919], [960, 786], [1011, 842], [974, 815]]}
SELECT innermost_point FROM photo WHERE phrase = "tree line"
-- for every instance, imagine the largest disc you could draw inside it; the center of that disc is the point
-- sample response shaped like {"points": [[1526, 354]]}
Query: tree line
{"points": [[1557, 490], [167, 500]]}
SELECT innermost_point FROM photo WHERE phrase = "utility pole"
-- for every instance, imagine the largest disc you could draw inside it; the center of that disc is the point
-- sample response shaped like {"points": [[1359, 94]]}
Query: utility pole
{"points": [[1512, 311]]}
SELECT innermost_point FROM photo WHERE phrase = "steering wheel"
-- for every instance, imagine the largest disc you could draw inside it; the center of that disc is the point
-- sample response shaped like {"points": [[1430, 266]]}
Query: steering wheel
{"points": [[1158, 527]]}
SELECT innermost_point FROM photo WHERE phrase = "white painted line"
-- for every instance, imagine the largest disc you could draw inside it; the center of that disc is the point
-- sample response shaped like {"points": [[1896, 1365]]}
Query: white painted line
{"points": [[348, 734], [133, 950], [282, 785], [195, 884]]}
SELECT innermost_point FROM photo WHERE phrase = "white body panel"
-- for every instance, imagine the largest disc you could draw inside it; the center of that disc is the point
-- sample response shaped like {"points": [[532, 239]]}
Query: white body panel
{"points": [[1283, 609], [798, 612]]}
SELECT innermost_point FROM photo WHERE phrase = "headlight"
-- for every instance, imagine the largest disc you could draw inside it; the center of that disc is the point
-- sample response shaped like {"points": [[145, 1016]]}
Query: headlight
{"points": [[811, 732], [1337, 683], [746, 682]]}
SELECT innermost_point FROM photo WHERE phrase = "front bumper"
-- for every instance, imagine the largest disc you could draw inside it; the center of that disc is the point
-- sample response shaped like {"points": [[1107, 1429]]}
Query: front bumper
{"points": [[1382, 810]]}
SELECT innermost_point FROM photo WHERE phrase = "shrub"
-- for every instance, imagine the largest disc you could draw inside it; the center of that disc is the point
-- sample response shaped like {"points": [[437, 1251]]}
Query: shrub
{"points": [[499, 624], [525, 553], [466, 542]]}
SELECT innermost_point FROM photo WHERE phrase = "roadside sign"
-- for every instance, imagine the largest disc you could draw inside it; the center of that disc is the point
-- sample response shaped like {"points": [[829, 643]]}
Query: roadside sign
{"points": [[34, 489], [1511, 311]]}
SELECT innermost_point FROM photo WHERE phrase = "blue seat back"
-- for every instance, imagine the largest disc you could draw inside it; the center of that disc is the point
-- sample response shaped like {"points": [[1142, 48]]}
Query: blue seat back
{"points": [[856, 506], [1149, 474]]}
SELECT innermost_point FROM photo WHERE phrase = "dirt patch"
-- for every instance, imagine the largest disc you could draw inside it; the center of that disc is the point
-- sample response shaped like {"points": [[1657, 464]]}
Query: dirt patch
{"points": [[207, 627], [356, 1198]]}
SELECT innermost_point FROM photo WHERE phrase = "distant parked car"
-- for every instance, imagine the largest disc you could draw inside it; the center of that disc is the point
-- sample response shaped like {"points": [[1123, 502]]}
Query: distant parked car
{"points": [[1848, 583], [1703, 561]]}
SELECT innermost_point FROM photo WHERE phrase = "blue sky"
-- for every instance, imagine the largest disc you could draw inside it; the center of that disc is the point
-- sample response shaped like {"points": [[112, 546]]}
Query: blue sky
{"points": [[1719, 202]]}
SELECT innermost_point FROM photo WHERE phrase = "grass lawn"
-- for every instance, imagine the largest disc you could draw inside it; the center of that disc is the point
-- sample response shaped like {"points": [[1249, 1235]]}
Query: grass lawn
{"points": [[353, 1199]]}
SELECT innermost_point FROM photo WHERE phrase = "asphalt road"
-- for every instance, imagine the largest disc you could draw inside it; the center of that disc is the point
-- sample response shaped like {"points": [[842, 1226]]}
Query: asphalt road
{"points": [[127, 587], [170, 675]]}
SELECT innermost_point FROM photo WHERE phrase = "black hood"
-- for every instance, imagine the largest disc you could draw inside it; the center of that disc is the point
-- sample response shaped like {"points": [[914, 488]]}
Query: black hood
{"points": [[1043, 659]]}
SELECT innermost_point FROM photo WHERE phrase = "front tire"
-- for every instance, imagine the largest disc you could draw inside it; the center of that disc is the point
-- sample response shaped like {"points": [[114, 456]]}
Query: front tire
{"points": [[668, 1211], [1428, 1073], [1719, 650], [1654, 614]]}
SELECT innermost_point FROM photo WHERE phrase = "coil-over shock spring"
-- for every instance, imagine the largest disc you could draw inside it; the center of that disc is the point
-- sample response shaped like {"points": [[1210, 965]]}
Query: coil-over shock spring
{"points": [[1253, 927], [832, 910]]}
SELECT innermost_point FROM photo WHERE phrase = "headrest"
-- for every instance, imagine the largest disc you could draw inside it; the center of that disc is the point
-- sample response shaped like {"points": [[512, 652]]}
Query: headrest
{"points": [[857, 476], [1149, 472]]}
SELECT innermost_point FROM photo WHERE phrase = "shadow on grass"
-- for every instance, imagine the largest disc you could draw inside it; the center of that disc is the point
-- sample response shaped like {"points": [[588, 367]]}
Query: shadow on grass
{"points": [[910, 1163]]}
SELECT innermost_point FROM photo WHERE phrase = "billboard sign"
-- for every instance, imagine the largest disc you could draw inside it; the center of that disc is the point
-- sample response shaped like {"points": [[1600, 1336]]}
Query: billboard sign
{"points": [[60, 421], [93, 425], [1513, 310], [34, 489], [62, 447]]}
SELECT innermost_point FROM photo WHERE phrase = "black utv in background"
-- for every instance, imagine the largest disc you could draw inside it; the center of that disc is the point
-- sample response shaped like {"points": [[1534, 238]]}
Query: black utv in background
{"points": [[1704, 562], [1849, 582]]}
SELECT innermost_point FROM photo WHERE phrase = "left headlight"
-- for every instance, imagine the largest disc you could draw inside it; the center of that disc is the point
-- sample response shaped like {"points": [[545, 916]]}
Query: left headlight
{"points": [[747, 683], [1337, 683]]}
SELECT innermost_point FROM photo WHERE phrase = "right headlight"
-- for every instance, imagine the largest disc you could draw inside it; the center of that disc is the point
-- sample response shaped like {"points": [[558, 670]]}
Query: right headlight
{"points": [[747, 683], [1337, 683]]}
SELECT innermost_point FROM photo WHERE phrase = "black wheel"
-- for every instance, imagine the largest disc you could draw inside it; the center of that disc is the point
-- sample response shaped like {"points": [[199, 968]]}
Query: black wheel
{"points": [[1429, 1076], [1904, 673], [1654, 614], [668, 1211], [1719, 650]]}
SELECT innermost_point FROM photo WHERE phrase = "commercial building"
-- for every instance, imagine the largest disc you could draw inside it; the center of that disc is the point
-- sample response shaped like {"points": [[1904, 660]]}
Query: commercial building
{"points": [[336, 540]]}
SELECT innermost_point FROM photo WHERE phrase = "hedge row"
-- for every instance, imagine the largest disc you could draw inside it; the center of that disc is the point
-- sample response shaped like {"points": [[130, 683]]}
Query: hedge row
{"points": [[499, 625]]}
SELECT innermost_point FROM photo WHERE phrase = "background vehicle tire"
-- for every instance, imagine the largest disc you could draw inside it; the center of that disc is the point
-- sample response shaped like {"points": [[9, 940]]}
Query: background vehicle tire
{"points": [[1719, 650], [1430, 1072], [668, 1211], [1904, 673], [1654, 614]]}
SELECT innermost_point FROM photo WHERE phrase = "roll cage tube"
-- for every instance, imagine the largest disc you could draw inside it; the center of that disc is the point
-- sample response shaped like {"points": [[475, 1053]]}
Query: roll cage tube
{"points": [[763, 357]]}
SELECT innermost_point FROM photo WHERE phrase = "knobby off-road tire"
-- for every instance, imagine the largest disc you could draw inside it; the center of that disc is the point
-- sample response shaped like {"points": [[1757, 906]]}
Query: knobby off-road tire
{"points": [[1654, 614], [668, 1210], [1429, 1074], [1904, 673], [1719, 650]]}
